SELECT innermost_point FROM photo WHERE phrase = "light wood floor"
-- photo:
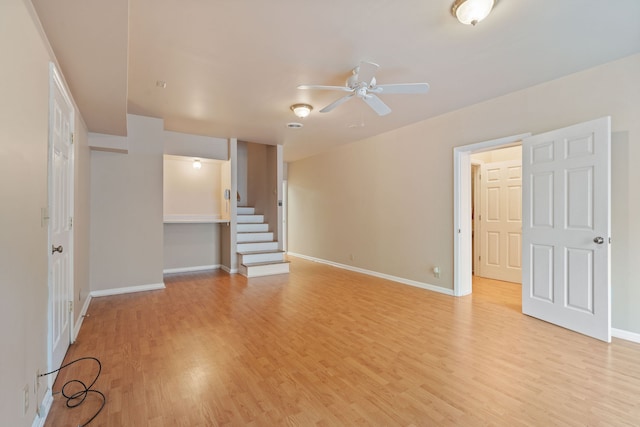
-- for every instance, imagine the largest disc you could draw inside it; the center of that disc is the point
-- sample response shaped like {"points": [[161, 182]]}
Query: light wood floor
{"points": [[329, 347]]}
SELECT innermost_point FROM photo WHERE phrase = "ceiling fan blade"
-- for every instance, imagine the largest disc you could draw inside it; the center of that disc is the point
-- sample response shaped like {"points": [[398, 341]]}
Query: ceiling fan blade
{"points": [[408, 88], [367, 71], [376, 104], [337, 102], [321, 87]]}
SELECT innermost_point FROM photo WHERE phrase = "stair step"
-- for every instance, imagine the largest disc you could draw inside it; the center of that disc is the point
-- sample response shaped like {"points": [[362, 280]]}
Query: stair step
{"points": [[254, 237], [261, 256], [252, 227], [264, 268], [256, 246], [250, 219], [246, 210]]}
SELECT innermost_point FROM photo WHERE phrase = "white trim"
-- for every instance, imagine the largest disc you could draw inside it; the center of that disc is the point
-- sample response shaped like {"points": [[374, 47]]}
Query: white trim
{"points": [[193, 219], [625, 335], [462, 262], [404, 281], [229, 270], [45, 406], [191, 269], [127, 290], [78, 324]]}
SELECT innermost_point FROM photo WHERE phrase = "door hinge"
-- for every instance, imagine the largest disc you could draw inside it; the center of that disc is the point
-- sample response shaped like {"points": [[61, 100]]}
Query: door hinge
{"points": [[73, 137], [70, 306], [70, 222], [480, 217]]}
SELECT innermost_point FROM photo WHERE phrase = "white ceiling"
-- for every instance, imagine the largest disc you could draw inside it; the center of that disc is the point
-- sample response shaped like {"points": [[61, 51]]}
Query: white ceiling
{"points": [[232, 66]]}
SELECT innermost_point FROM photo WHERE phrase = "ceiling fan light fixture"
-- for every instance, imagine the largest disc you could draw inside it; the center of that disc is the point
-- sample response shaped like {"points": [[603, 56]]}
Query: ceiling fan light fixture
{"points": [[301, 110], [470, 12]]}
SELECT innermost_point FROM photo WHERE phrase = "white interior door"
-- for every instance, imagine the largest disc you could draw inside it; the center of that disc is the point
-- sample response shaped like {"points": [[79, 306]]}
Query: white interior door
{"points": [[501, 220], [566, 228], [60, 220]]}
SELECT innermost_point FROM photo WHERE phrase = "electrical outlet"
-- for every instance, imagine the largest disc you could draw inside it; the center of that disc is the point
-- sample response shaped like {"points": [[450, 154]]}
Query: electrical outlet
{"points": [[25, 399]]}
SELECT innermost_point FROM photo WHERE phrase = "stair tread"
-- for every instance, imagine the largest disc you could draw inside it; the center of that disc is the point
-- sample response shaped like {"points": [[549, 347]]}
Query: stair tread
{"points": [[273, 251], [254, 232], [257, 264]]}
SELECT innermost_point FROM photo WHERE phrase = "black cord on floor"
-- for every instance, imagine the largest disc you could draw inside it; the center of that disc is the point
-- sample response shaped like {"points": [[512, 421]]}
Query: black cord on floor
{"points": [[76, 399]]}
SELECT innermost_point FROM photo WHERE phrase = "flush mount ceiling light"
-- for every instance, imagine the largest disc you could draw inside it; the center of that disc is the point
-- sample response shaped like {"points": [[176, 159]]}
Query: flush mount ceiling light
{"points": [[470, 12], [301, 110], [197, 164]]}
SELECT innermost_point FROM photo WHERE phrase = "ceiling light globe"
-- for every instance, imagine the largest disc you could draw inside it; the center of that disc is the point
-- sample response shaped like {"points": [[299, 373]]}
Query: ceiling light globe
{"points": [[470, 12], [301, 110], [197, 164]]}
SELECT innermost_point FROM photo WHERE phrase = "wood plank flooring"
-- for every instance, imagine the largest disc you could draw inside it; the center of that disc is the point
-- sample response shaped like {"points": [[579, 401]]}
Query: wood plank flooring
{"points": [[328, 347]]}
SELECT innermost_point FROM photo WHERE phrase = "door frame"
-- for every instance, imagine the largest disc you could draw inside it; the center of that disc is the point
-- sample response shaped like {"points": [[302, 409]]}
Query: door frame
{"points": [[56, 82], [462, 260]]}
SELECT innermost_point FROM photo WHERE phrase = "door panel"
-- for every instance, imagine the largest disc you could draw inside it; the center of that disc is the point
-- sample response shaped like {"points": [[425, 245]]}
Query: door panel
{"points": [[60, 221], [501, 221], [566, 208]]}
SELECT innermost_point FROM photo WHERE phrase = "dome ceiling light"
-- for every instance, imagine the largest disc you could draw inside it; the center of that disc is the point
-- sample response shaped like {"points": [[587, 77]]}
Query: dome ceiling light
{"points": [[470, 12]]}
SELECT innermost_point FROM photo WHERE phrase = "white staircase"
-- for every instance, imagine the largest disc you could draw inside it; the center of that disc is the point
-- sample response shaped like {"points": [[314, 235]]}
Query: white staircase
{"points": [[258, 253]]}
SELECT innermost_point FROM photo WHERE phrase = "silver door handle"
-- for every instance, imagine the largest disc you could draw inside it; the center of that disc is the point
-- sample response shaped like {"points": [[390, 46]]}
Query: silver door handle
{"points": [[58, 249], [599, 240]]}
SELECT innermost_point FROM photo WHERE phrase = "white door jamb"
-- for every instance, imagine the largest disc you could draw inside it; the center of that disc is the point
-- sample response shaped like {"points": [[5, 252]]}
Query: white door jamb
{"points": [[462, 262]]}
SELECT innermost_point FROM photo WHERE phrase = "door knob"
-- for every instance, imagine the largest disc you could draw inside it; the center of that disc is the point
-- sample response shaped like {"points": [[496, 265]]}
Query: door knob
{"points": [[58, 249], [599, 240]]}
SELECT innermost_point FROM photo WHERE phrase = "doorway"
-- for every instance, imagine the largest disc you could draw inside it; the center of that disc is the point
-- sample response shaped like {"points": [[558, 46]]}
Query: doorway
{"points": [[463, 227], [566, 225]]}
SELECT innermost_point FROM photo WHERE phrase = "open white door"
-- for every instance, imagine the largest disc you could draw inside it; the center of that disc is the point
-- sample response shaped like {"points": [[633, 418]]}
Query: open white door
{"points": [[501, 221], [566, 227], [60, 221]]}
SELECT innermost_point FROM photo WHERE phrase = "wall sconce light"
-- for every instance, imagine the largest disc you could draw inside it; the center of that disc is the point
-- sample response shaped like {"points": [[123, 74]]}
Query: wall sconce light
{"points": [[470, 12], [301, 110], [197, 164]]}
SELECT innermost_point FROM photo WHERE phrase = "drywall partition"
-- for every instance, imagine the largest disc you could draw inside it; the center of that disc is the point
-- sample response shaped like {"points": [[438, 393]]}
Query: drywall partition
{"points": [[228, 257], [257, 179], [126, 211], [243, 173], [385, 204], [24, 118], [127, 220], [183, 144]]}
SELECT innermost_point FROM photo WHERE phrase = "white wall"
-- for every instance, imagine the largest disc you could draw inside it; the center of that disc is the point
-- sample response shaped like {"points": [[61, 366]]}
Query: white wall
{"points": [[191, 246], [388, 200], [126, 210], [499, 155], [190, 192], [24, 116]]}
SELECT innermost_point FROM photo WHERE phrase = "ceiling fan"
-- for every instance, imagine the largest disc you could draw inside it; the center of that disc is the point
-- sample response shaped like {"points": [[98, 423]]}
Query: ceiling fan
{"points": [[362, 84]]}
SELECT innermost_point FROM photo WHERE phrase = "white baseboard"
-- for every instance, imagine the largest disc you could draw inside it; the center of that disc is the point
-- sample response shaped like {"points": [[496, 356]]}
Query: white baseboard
{"points": [[45, 406], [191, 269], [402, 280], [127, 290], [83, 312], [229, 270], [625, 335]]}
